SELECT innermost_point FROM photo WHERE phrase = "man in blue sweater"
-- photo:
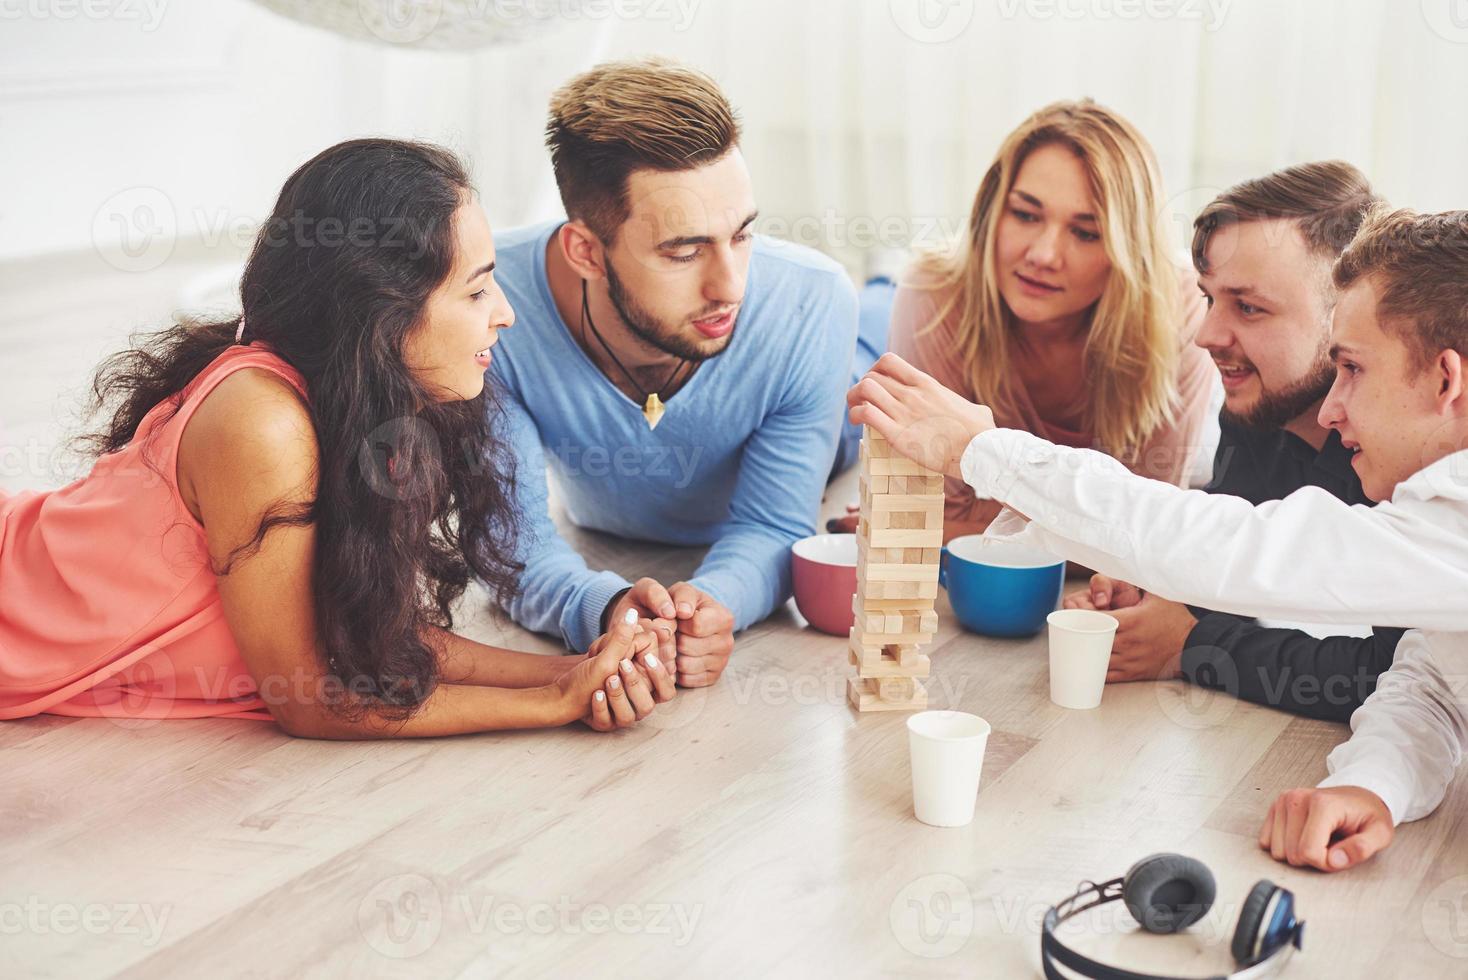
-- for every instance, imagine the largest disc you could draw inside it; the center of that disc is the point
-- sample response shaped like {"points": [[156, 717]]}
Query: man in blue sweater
{"points": [[683, 377]]}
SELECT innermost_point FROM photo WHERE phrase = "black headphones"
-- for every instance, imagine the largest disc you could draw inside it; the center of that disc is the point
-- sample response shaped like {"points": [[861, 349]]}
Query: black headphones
{"points": [[1166, 893]]}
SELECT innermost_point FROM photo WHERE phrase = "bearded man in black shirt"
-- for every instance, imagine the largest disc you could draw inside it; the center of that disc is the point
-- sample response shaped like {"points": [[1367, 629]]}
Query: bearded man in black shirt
{"points": [[1264, 251]]}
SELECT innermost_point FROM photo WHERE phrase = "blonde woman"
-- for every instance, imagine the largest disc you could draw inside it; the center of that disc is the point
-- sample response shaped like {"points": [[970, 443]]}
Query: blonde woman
{"points": [[1062, 308]]}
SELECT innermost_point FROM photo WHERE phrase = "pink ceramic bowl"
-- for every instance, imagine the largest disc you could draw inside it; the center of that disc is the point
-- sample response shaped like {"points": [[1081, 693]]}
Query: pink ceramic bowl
{"points": [[824, 569]]}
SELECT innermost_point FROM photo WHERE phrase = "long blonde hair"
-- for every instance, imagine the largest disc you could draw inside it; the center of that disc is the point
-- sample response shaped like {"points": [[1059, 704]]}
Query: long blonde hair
{"points": [[1132, 341]]}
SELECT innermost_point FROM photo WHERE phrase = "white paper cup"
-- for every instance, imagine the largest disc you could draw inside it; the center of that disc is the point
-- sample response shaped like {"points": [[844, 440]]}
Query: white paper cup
{"points": [[1080, 649], [947, 756]]}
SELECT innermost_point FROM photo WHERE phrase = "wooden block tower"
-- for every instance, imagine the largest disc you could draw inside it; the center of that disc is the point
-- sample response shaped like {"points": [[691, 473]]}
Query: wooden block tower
{"points": [[898, 542]]}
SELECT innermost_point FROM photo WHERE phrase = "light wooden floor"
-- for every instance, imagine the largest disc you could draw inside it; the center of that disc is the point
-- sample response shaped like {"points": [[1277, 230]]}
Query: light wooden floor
{"points": [[758, 827]]}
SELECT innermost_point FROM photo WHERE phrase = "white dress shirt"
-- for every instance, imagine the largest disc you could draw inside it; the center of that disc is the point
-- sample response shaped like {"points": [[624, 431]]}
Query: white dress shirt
{"points": [[1307, 557]]}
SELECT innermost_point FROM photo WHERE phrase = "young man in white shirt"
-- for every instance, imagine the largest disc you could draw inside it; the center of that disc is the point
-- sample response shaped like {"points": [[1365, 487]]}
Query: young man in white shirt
{"points": [[1400, 401]]}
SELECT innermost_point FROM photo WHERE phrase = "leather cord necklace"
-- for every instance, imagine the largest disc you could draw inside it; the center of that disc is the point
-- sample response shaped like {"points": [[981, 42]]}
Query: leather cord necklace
{"points": [[652, 406]]}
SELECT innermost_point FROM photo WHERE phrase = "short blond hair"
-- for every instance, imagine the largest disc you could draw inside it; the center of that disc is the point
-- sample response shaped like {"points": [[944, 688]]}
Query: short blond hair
{"points": [[1419, 265], [624, 116]]}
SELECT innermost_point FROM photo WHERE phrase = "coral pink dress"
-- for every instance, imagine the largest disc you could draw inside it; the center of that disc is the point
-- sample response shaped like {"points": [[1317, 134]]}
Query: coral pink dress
{"points": [[108, 604]]}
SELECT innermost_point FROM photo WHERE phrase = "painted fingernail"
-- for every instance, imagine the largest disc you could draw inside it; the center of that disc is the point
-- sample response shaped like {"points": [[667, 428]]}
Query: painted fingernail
{"points": [[614, 682], [600, 697], [653, 662], [627, 666], [631, 618]]}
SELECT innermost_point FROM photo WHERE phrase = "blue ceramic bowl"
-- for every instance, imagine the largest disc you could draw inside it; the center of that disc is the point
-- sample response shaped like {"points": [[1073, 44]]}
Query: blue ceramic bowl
{"points": [[1000, 588]]}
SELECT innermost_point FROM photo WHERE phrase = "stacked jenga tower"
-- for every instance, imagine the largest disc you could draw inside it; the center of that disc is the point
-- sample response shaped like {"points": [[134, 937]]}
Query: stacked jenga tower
{"points": [[898, 543]]}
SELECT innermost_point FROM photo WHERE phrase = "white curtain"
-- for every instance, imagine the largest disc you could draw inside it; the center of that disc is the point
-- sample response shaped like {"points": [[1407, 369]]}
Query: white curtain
{"points": [[867, 121]]}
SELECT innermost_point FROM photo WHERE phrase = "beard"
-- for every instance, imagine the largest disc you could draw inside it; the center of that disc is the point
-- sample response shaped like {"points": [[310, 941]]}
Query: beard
{"points": [[650, 330], [1276, 408]]}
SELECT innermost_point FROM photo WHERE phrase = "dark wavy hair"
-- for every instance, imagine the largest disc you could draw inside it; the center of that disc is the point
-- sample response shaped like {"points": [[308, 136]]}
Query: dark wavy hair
{"points": [[414, 496]]}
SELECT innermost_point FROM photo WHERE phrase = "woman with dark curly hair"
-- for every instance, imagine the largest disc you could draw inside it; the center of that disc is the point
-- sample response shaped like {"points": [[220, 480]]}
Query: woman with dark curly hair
{"points": [[286, 505]]}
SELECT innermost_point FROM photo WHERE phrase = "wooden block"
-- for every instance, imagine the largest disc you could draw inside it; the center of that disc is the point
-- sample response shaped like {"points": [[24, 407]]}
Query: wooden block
{"points": [[902, 537], [877, 640], [884, 666], [907, 656], [871, 604], [896, 688], [867, 622], [864, 696], [903, 520], [914, 503], [898, 517], [894, 466], [931, 556], [919, 665], [875, 572], [910, 591], [867, 555], [866, 656], [895, 631], [877, 448], [927, 483], [870, 486]]}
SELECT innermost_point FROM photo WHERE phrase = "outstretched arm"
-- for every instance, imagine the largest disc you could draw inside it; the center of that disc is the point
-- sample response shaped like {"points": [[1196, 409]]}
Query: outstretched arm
{"points": [[1308, 557]]}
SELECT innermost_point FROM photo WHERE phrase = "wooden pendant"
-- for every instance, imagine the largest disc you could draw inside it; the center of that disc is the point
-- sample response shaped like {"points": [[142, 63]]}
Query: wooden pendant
{"points": [[653, 410]]}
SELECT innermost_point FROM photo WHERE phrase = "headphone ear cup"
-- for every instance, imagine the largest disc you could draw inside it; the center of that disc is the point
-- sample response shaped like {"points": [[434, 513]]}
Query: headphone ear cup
{"points": [[1251, 924], [1168, 892]]}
